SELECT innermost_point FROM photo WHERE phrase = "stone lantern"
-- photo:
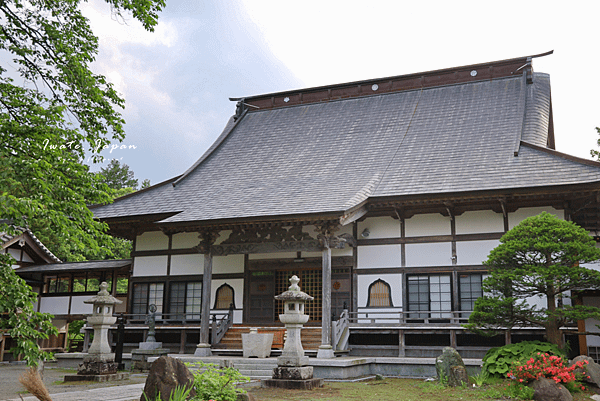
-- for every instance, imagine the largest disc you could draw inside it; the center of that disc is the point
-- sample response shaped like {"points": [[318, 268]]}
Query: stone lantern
{"points": [[291, 370], [100, 360]]}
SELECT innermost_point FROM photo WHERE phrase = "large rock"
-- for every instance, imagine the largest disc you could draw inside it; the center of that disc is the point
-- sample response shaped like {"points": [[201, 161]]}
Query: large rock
{"points": [[548, 390], [592, 369], [166, 373], [450, 366]]}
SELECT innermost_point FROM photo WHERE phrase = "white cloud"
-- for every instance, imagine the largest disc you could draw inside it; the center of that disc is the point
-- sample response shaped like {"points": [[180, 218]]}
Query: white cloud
{"points": [[115, 32]]}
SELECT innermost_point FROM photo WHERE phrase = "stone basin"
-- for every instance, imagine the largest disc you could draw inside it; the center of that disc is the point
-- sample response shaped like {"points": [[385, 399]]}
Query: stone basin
{"points": [[257, 345]]}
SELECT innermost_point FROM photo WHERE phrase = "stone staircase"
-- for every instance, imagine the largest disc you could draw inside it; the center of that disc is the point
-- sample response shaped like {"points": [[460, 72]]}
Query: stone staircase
{"points": [[232, 341], [255, 368]]}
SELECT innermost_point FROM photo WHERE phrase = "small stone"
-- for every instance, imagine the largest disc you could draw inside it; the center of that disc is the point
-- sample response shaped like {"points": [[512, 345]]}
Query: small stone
{"points": [[165, 375]]}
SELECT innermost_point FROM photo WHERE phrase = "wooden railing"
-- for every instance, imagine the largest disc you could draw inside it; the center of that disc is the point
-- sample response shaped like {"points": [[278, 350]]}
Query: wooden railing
{"points": [[221, 325], [400, 317], [221, 322], [340, 332]]}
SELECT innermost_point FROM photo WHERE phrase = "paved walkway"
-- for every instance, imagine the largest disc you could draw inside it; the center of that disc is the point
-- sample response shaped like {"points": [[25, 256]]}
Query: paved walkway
{"points": [[118, 393], [10, 388]]}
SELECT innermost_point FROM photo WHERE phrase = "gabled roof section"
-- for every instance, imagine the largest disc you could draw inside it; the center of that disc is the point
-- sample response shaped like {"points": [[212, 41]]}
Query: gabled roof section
{"points": [[472, 128], [25, 238]]}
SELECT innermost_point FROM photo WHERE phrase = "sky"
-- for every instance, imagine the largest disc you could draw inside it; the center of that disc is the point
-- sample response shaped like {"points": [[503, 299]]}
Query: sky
{"points": [[177, 81]]}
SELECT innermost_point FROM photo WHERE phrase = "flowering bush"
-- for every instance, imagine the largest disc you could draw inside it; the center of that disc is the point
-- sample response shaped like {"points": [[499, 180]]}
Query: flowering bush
{"points": [[546, 365]]}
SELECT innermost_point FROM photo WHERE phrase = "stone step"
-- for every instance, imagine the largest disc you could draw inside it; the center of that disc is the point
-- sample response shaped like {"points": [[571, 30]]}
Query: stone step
{"points": [[256, 373], [310, 337]]}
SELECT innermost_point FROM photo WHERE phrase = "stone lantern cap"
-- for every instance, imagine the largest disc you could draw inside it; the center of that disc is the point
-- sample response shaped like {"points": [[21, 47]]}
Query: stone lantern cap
{"points": [[103, 297], [294, 293]]}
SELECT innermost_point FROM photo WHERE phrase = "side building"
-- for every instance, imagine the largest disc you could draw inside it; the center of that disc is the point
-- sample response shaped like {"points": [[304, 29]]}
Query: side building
{"points": [[384, 196], [61, 287]]}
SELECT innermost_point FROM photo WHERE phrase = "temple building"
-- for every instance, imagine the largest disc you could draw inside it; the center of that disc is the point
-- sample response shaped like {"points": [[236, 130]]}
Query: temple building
{"points": [[383, 196]]}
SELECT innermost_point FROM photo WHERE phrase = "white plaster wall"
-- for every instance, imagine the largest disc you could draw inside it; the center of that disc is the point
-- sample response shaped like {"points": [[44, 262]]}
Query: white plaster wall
{"points": [[379, 256], [593, 265], [27, 258], [482, 221], [185, 240], [365, 280], [150, 266], [590, 324], [54, 305], [347, 251], [223, 235], [15, 253], [151, 240], [521, 214], [379, 227], [77, 305], [539, 302], [435, 254], [228, 264], [238, 290], [60, 324], [474, 252], [427, 224], [186, 264]]}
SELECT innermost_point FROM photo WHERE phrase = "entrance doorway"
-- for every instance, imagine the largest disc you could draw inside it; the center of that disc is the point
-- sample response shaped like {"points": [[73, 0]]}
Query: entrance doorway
{"points": [[269, 278], [311, 282]]}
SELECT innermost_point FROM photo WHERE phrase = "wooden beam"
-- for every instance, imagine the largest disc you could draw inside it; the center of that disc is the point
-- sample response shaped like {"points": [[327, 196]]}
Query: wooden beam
{"points": [[422, 270], [353, 216], [266, 247], [431, 239]]}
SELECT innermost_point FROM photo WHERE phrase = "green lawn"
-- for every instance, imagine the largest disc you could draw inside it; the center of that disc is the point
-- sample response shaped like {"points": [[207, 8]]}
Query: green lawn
{"points": [[391, 389]]}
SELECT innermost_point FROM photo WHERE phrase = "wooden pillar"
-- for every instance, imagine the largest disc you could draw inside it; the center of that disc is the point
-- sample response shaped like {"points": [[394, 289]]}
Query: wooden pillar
{"points": [[207, 238], [329, 240], [354, 301], [182, 341], [86, 340], [401, 344], [583, 349], [326, 350]]}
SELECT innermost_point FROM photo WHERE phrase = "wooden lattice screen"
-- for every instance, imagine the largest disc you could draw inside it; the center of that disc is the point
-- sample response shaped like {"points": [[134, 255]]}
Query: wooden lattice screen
{"points": [[379, 294], [224, 297], [311, 282]]}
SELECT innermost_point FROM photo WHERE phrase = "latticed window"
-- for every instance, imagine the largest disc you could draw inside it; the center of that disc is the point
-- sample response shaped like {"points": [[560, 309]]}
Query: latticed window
{"points": [[379, 294], [224, 297], [146, 294], [186, 300], [470, 290]]}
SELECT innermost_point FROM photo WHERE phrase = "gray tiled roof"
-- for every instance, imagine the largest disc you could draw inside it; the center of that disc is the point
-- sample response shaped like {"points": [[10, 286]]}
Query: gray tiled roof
{"points": [[330, 156]]}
